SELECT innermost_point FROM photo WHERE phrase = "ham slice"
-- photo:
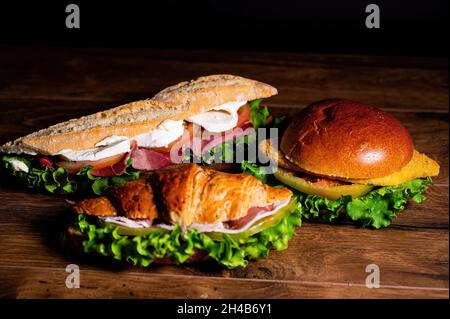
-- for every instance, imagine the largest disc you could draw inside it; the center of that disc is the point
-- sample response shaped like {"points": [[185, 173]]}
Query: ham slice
{"points": [[199, 141], [115, 170], [205, 142], [146, 159], [45, 161], [252, 212]]}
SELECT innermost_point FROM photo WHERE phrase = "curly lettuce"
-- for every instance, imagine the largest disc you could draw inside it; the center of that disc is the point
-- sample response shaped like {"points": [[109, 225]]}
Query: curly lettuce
{"points": [[59, 181], [376, 209], [227, 251], [259, 115], [98, 185]]}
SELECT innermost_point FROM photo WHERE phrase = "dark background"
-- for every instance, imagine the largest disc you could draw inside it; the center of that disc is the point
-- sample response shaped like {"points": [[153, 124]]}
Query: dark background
{"points": [[407, 27]]}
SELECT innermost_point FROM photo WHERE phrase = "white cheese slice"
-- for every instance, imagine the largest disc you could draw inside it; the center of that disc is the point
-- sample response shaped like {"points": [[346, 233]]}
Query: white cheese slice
{"points": [[18, 165], [220, 119], [108, 147], [166, 132]]}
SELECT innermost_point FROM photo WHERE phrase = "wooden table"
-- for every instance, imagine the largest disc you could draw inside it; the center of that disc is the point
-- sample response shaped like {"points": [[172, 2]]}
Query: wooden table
{"points": [[42, 86]]}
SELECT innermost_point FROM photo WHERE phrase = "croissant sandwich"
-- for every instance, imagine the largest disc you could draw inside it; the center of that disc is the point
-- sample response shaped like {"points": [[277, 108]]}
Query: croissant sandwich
{"points": [[110, 147], [185, 213]]}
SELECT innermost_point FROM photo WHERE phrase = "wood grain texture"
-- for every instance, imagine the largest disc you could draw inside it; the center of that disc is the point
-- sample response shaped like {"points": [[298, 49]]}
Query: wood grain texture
{"points": [[50, 283], [130, 74], [322, 261]]}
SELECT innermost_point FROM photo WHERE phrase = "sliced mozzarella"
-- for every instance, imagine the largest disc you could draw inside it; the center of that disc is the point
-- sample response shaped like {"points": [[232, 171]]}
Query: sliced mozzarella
{"points": [[230, 107], [222, 118], [126, 222], [106, 148], [215, 121], [18, 165], [166, 132]]}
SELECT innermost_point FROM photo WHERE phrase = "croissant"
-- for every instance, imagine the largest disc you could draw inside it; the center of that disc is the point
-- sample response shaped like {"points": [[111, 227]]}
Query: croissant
{"points": [[186, 194]]}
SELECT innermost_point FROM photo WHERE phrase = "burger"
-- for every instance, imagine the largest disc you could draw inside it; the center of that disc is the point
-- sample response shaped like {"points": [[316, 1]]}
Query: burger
{"points": [[348, 160]]}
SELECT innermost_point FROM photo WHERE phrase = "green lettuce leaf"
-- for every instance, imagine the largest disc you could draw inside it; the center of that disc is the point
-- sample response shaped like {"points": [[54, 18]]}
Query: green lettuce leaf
{"points": [[59, 181], [174, 244], [255, 170], [259, 114], [47, 179], [376, 209], [98, 185]]}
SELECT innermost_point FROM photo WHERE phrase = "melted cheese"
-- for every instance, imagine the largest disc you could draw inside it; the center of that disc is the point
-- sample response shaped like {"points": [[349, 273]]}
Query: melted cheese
{"points": [[419, 166]]}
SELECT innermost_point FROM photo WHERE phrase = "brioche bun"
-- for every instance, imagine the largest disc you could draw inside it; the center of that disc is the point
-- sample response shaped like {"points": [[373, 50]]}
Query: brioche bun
{"points": [[346, 139]]}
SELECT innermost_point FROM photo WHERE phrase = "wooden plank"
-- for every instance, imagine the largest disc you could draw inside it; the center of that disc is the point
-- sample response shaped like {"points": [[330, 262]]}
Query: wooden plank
{"points": [[111, 75], [34, 282]]}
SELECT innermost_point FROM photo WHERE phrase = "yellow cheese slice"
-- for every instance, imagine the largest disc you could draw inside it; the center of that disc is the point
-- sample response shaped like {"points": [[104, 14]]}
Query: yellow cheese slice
{"points": [[419, 166]]}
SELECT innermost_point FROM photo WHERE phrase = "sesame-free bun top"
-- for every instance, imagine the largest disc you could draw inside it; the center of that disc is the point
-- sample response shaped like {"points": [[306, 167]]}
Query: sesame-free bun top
{"points": [[346, 139]]}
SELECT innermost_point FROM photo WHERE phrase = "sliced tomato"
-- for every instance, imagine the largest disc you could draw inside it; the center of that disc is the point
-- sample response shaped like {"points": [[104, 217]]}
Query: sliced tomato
{"points": [[243, 115], [45, 161], [73, 167]]}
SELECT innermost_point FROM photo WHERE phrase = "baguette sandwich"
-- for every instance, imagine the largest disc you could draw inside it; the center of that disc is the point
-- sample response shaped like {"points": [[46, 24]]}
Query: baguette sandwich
{"points": [[94, 152], [185, 213]]}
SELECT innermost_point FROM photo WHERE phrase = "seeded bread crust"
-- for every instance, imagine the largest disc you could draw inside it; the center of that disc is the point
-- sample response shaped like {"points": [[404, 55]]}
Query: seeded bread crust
{"points": [[207, 92], [177, 102], [83, 133]]}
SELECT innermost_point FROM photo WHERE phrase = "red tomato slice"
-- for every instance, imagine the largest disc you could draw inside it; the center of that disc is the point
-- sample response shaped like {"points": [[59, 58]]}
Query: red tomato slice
{"points": [[243, 115], [73, 167]]}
